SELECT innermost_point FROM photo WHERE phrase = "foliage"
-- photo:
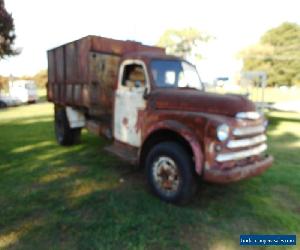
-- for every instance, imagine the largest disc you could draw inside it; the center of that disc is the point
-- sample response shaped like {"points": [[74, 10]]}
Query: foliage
{"points": [[278, 54], [3, 82], [7, 34], [80, 197], [184, 43], [41, 78]]}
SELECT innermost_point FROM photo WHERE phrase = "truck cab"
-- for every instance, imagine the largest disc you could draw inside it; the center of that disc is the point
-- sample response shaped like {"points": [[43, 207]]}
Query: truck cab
{"points": [[157, 114]]}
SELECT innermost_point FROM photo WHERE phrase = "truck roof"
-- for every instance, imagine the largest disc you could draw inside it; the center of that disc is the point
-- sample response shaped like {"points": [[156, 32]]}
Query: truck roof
{"points": [[108, 45]]}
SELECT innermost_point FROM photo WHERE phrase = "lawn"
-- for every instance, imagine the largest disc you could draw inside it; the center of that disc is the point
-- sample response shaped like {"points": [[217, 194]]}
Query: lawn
{"points": [[271, 95], [80, 197]]}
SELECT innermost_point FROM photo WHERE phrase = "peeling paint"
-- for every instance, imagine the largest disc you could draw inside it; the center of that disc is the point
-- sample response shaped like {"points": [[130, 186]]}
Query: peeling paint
{"points": [[125, 122]]}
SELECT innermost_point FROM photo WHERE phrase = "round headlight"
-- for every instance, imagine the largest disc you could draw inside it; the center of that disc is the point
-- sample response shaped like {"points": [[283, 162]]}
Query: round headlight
{"points": [[223, 132]]}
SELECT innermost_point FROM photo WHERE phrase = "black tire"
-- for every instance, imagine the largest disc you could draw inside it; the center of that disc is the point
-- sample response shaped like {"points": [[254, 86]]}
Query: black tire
{"points": [[166, 154], [65, 135]]}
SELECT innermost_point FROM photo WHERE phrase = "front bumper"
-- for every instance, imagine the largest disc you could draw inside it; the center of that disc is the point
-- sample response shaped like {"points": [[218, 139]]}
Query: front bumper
{"points": [[237, 173]]}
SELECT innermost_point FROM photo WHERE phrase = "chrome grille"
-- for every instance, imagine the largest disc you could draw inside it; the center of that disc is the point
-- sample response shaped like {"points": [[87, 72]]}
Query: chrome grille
{"points": [[241, 154], [247, 142], [244, 131]]}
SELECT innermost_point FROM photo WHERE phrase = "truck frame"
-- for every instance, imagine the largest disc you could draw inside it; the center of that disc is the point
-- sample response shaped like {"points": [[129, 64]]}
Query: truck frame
{"points": [[154, 109]]}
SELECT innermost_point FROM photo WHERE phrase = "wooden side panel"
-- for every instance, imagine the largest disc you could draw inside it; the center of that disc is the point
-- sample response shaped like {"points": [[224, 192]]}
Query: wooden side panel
{"points": [[105, 45], [103, 74], [83, 48], [83, 72], [59, 72], [70, 69], [71, 62], [51, 75]]}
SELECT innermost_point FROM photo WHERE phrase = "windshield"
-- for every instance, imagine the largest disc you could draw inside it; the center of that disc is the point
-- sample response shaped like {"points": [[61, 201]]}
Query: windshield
{"points": [[175, 74]]}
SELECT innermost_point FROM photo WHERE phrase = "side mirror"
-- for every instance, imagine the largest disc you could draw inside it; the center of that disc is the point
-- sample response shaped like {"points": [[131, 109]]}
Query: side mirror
{"points": [[145, 94]]}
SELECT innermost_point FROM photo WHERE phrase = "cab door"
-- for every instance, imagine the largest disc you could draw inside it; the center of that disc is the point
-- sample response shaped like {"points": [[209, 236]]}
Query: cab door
{"points": [[129, 100]]}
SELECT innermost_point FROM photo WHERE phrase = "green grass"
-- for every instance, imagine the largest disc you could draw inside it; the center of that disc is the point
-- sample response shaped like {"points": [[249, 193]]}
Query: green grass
{"points": [[80, 197]]}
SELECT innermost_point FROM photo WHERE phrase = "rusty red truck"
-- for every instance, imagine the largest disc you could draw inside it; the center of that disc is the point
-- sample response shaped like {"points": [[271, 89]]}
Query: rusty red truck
{"points": [[154, 109]]}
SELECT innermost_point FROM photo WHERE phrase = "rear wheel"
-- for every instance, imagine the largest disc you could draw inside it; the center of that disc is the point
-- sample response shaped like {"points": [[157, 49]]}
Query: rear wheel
{"points": [[64, 134], [170, 173]]}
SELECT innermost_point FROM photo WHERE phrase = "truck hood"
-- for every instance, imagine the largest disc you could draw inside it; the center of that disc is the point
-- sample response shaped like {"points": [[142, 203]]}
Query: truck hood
{"points": [[199, 101]]}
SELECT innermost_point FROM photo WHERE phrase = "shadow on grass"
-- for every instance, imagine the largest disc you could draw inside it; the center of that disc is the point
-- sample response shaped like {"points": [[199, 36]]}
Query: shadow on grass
{"points": [[83, 198]]}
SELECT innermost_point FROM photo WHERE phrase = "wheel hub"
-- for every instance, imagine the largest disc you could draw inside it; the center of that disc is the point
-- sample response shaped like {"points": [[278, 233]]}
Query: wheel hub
{"points": [[166, 175]]}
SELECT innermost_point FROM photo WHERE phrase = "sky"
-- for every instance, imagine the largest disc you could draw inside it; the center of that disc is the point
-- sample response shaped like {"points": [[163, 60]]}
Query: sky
{"points": [[235, 24]]}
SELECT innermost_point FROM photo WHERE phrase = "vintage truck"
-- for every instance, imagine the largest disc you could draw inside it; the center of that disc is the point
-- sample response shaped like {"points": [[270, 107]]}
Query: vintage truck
{"points": [[154, 109]]}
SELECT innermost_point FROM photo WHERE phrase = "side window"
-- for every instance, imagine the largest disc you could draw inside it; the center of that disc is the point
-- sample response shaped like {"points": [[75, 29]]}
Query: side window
{"points": [[134, 76]]}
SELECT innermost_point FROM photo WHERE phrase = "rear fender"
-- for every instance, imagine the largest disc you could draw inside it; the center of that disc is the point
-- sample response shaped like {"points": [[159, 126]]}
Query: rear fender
{"points": [[76, 118]]}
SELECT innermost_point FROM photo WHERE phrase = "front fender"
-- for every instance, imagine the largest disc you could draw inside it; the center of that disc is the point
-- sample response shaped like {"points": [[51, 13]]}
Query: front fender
{"points": [[185, 133]]}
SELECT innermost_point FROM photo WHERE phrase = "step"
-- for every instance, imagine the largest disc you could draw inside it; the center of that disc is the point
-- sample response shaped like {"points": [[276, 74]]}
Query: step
{"points": [[123, 151]]}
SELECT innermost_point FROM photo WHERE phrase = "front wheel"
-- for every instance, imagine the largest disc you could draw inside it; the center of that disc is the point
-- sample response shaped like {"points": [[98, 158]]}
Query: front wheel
{"points": [[170, 173], [65, 135]]}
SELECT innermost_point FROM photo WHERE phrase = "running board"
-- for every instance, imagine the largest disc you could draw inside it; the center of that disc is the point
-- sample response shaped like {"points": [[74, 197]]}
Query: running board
{"points": [[125, 152]]}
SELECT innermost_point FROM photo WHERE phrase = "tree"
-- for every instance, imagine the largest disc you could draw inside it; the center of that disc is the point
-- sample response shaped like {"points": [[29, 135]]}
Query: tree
{"points": [[7, 34], [183, 43], [41, 78], [277, 53], [3, 82]]}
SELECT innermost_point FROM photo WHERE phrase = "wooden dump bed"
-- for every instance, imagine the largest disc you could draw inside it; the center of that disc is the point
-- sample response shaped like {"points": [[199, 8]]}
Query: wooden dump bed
{"points": [[83, 73]]}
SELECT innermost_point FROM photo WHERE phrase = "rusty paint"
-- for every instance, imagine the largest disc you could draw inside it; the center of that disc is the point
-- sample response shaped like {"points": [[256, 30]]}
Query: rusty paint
{"points": [[238, 173], [125, 121], [85, 74], [211, 142], [185, 132], [140, 120], [198, 101], [71, 64]]}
